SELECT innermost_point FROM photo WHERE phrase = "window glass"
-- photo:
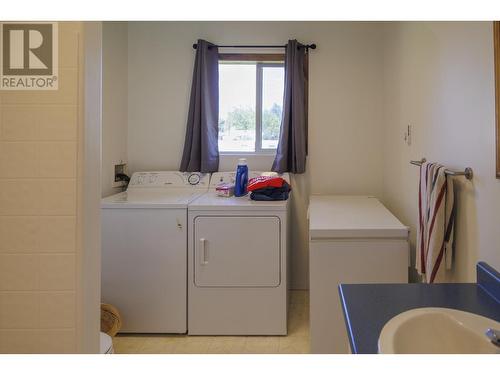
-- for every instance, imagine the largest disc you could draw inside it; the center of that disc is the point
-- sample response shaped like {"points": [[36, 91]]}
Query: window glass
{"points": [[250, 106], [273, 79], [237, 90]]}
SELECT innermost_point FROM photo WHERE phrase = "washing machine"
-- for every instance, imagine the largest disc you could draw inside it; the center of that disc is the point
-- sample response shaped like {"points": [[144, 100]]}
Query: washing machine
{"points": [[144, 250], [237, 264]]}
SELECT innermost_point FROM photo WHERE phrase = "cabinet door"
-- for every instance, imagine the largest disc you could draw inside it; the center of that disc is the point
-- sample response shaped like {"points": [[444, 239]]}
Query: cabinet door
{"points": [[347, 261], [237, 251], [144, 268]]}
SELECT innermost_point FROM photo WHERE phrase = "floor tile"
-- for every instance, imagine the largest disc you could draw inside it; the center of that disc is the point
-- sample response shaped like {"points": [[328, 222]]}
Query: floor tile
{"points": [[128, 344], [298, 321], [296, 342], [227, 345], [294, 345], [193, 345], [160, 345], [262, 345], [299, 297]]}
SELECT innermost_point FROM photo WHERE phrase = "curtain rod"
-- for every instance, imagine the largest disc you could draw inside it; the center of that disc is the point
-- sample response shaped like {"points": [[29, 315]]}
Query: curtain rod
{"points": [[311, 46]]}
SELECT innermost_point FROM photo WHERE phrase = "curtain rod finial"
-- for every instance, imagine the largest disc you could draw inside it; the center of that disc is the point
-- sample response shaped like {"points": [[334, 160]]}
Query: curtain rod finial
{"points": [[312, 46], [195, 45]]}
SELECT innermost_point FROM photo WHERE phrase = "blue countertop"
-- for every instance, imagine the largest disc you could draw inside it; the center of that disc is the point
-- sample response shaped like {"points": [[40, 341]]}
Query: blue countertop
{"points": [[368, 307]]}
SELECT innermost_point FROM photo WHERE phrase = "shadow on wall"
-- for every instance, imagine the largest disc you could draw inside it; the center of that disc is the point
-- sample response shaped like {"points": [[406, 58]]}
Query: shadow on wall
{"points": [[299, 237], [466, 232]]}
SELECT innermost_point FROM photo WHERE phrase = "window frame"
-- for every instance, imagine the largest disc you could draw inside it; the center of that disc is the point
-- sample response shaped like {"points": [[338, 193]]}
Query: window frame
{"points": [[496, 58], [261, 61]]}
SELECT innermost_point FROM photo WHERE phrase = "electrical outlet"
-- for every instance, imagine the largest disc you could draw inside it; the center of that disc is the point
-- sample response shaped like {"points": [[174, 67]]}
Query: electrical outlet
{"points": [[119, 168]]}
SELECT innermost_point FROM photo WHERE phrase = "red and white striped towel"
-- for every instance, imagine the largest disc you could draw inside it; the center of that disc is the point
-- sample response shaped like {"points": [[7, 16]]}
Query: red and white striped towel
{"points": [[436, 222]]}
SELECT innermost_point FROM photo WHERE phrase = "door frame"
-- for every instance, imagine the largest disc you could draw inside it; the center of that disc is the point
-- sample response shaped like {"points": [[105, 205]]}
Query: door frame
{"points": [[89, 315]]}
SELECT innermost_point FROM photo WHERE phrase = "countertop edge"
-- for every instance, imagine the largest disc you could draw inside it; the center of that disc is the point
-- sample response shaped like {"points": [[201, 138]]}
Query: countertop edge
{"points": [[347, 321]]}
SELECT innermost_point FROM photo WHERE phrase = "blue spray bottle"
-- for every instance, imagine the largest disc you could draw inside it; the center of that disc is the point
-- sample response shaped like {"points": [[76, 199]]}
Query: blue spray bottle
{"points": [[240, 185]]}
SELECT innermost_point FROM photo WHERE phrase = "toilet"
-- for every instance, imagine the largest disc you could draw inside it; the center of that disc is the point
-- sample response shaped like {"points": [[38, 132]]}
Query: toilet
{"points": [[106, 344]]}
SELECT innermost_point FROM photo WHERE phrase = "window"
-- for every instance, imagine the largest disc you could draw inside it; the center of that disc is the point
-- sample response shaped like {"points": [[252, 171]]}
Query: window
{"points": [[250, 105]]}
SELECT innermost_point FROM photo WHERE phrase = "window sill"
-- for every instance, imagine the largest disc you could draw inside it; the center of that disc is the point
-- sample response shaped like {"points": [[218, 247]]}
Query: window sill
{"points": [[255, 161], [247, 154]]}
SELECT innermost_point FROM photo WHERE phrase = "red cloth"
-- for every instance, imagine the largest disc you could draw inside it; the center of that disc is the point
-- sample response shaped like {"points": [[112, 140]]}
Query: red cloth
{"points": [[264, 182]]}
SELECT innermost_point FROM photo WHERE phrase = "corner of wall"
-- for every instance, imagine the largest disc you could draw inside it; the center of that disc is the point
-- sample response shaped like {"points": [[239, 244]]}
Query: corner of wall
{"points": [[115, 101]]}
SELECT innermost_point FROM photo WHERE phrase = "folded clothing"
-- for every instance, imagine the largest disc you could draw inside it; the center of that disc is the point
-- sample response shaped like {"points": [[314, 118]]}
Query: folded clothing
{"points": [[262, 182], [271, 193]]}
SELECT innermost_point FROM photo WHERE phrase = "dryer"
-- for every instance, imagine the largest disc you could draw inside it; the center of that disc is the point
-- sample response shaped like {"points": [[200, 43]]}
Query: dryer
{"points": [[237, 264], [144, 250]]}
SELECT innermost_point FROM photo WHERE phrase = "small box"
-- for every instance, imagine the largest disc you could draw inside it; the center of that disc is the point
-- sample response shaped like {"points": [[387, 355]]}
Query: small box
{"points": [[225, 190]]}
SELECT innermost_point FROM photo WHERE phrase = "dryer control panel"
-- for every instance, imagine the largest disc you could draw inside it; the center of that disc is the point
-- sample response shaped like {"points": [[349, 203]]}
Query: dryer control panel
{"points": [[169, 179], [230, 177]]}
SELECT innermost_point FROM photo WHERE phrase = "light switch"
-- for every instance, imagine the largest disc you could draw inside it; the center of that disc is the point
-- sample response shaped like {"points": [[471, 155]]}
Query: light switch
{"points": [[408, 134]]}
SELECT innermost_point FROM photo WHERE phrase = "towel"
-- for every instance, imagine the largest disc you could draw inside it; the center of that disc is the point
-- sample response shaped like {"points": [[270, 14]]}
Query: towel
{"points": [[262, 182], [271, 193], [436, 213]]}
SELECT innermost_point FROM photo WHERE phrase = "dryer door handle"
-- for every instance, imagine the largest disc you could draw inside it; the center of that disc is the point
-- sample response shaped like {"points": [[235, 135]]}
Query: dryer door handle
{"points": [[203, 252]]}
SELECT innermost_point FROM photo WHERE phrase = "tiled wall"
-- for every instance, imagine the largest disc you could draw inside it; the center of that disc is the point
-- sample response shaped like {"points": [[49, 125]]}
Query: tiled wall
{"points": [[39, 210]]}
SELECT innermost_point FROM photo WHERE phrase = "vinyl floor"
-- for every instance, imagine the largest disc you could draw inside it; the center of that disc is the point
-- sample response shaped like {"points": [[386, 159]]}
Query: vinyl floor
{"points": [[296, 342]]}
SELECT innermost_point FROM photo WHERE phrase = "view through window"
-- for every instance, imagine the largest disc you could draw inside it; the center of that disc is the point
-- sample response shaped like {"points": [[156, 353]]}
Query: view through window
{"points": [[250, 106]]}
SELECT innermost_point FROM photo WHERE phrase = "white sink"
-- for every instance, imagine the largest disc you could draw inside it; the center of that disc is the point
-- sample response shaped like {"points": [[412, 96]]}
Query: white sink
{"points": [[437, 331]]}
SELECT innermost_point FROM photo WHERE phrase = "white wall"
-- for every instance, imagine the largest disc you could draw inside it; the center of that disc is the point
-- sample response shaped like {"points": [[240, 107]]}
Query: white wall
{"points": [[114, 103], [345, 113], [439, 78]]}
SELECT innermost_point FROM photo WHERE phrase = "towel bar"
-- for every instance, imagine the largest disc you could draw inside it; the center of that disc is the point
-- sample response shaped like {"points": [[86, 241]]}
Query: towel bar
{"points": [[467, 172]]}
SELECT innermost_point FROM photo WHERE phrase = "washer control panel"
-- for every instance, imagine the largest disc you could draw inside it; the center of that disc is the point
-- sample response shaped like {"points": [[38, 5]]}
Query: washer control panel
{"points": [[194, 179], [169, 179]]}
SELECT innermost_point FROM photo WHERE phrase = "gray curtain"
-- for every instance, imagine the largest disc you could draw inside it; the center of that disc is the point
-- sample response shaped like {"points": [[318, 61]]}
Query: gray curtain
{"points": [[201, 151], [292, 146]]}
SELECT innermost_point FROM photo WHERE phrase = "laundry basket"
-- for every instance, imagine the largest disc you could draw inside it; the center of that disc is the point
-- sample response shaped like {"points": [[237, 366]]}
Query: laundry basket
{"points": [[111, 321]]}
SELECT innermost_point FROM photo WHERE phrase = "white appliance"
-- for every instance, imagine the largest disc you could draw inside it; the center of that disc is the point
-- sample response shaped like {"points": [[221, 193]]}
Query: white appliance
{"points": [[353, 239], [237, 264], [144, 250], [105, 344]]}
